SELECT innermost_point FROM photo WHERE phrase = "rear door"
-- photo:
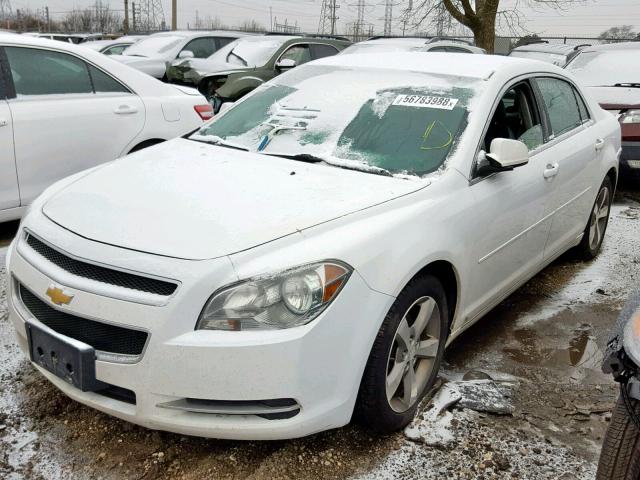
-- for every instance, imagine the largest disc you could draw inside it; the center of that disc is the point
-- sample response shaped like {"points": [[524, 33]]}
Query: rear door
{"points": [[68, 115], [9, 194], [569, 157]]}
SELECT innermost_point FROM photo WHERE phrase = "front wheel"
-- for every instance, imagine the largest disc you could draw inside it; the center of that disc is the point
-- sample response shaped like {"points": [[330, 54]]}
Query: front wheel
{"points": [[598, 221], [620, 457], [405, 358]]}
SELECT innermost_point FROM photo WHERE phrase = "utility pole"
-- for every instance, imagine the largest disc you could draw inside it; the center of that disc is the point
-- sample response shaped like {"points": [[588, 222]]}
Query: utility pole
{"points": [[5, 11], [388, 17], [125, 25], [133, 14], [47, 19], [174, 14], [271, 17]]}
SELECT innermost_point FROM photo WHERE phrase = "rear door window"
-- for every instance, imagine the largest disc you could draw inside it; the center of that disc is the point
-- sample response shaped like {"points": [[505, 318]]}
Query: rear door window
{"points": [[45, 72], [561, 104], [201, 47], [322, 51]]}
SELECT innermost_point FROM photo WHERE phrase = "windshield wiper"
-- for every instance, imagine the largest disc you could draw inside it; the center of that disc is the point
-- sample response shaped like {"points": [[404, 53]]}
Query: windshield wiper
{"points": [[308, 158], [630, 84], [217, 141], [246, 64]]}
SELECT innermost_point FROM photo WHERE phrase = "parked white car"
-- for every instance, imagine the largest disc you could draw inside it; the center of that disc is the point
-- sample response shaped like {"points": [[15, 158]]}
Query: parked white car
{"points": [[64, 108], [411, 44], [306, 255], [114, 46], [152, 54]]}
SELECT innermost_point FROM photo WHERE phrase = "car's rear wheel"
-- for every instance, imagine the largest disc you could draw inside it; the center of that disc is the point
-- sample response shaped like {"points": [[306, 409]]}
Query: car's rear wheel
{"points": [[404, 361], [598, 221]]}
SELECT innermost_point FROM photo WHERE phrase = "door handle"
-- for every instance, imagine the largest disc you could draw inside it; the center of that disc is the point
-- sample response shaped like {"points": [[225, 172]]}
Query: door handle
{"points": [[551, 170], [3, 122], [599, 143], [125, 110]]}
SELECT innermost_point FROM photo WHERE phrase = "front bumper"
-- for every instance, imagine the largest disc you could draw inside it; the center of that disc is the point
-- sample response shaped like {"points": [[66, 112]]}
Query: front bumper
{"points": [[318, 365]]}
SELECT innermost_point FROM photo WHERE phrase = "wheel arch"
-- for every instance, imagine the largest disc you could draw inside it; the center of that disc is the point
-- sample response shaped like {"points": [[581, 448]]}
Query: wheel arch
{"points": [[613, 176], [448, 275]]}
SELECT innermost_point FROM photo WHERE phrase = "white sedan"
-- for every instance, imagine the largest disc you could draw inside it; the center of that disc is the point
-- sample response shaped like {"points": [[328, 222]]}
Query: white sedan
{"points": [[307, 256], [64, 108]]}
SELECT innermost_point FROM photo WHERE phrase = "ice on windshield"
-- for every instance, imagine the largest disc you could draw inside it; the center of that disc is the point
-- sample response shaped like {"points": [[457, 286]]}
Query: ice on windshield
{"points": [[154, 45], [254, 52], [606, 68], [403, 123]]}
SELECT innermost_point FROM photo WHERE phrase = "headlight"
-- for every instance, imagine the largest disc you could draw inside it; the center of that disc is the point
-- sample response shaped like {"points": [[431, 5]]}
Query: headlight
{"points": [[631, 340], [283, 300], [630, 116]]}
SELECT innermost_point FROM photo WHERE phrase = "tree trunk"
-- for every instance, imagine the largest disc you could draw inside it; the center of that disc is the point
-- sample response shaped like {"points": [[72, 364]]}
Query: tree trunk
{"points": [[485, 36]]}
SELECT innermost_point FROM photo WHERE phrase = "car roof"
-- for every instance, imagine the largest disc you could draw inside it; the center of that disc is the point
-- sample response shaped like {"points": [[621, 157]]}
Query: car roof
{"points": [[558, 48], [437, 63], [201, 33], [395, 41], [613, 46]]}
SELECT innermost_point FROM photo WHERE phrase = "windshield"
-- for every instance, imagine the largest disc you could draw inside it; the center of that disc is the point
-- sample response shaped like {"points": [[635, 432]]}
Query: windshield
{"points": [[375, 120], [254, 52], [154, 45], [606, 68], [555, 58]]}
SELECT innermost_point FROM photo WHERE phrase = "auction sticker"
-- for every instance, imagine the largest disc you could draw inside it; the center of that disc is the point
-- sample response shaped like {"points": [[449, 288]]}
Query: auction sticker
{"points": [[426, 101]]}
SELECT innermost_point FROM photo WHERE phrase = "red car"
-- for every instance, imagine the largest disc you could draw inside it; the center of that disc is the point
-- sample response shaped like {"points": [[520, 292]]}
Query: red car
{"points": [[612, 75]]}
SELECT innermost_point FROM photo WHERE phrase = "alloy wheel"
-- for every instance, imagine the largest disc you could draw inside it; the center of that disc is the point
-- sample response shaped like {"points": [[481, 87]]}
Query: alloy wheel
{"points": [[599, 217], [413, 353]]}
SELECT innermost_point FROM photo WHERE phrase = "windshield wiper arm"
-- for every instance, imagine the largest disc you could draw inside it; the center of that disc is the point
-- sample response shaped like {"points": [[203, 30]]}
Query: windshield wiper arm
{"points": [[308, 158], [217, 141], [246, 64]]}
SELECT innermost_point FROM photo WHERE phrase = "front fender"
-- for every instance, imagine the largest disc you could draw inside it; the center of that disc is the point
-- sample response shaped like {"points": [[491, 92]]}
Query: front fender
{"points": [[239, 84]]}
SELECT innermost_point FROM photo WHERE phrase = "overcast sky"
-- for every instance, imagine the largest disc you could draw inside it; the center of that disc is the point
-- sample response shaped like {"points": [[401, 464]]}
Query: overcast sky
{"points": [[588, 17]]}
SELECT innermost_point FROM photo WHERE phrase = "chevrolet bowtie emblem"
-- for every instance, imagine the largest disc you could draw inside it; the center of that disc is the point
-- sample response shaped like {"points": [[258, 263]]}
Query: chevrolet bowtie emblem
{"points": [[58, 296]]}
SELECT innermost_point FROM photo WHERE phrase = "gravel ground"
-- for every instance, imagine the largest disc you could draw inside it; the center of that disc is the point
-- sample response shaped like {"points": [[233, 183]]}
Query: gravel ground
{"points": [[522, 397]]}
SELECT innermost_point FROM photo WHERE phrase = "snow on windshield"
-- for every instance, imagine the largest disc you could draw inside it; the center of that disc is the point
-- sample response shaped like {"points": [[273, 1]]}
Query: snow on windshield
{"points": [[154, 45], [606, 68], [405, 123], [254, 52]]}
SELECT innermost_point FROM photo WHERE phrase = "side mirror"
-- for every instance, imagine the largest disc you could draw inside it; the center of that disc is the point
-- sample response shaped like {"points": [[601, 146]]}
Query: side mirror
{"points": [[286, 64], [186, 54], [505, 155], [508, 154]]}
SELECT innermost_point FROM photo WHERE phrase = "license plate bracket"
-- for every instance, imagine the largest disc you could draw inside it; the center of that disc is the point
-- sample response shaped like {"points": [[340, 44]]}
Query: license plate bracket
{"points": [[66, 358]]}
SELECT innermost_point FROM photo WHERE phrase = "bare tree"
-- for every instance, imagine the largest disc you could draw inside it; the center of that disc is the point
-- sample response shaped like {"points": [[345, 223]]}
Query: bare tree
{"points": [[480, 16], [621, 33]]}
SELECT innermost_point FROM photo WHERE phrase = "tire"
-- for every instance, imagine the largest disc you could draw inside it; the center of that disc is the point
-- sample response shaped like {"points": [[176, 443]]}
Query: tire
{"points": [[620, 456], [590, 246], [391, 353]]}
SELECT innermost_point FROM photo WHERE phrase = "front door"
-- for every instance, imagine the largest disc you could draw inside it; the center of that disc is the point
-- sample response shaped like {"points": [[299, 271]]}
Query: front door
{"points": [[511, 228]]}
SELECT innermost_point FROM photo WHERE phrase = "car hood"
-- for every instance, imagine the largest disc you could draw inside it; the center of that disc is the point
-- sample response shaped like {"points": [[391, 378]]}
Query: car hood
{"points": [[195, 201], [615, 98]]}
